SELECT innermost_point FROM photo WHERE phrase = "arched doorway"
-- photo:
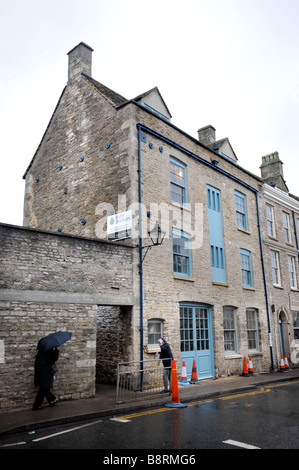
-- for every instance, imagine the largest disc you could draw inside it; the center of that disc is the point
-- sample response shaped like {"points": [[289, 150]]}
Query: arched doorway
{"points": [[284, 334]]}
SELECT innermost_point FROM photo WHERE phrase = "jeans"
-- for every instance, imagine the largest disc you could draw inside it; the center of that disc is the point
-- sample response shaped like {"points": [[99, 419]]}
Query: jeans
{"points": [[166, 378]]}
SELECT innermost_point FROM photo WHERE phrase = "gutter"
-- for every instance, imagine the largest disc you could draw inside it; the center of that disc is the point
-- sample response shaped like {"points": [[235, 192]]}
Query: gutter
{"points": [[146, 129]]}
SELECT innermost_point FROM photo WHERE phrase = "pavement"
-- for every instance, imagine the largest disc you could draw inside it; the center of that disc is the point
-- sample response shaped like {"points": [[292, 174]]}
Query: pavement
{"points": [[104, 402]]}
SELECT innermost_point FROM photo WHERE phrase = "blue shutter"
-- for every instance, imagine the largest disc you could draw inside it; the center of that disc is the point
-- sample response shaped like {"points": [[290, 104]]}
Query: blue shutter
{"points": [[216, 235]]}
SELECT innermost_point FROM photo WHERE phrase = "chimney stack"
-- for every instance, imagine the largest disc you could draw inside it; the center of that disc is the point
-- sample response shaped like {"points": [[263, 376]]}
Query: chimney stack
{"points": [[271, 166], [272, 171], [207, 135], [80, 59]]}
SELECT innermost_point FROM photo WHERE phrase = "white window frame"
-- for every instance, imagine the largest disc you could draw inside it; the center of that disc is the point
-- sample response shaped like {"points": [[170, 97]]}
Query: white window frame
{"points": [[270, 221], [157, 334], [230, 331], [252, 327], [292, 271], [275, 268], [287, 227]]}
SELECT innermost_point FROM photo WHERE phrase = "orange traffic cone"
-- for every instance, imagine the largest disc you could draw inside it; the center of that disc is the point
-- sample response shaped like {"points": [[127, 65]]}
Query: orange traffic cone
{"points": [[286, 363], [245, 369], [250, 367], [175, 389], [194, 378], [184, 380], [282, 366]]}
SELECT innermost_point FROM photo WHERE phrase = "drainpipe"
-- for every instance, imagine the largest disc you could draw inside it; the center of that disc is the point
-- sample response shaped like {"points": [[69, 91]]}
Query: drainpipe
{"points": [[295, 230], [264, 278], [140, 257]]}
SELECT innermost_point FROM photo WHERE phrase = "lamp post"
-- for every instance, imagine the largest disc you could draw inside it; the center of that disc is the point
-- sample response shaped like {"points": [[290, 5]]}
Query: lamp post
{"points": [[157, 236]]}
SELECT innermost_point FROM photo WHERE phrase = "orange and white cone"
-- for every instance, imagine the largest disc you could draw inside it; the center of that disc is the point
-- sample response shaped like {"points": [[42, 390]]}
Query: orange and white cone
{"points": [[286, 363], [245, 369], [194, 378], [282, 366], [250, 366], [184, 380], [174, 389]]}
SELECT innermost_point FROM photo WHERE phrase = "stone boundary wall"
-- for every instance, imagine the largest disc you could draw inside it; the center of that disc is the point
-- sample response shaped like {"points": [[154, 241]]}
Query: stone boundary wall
{"points": [[51, 282]]}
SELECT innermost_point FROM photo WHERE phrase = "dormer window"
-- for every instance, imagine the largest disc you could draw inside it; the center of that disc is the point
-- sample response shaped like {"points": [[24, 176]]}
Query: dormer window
{"points": [[153, 101]]}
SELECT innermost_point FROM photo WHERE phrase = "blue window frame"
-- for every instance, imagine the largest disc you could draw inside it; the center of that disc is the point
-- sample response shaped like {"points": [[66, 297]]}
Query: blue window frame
{"points": [[240, 201], [246, 268], [181, 253], [178, 182], [216, 235]]}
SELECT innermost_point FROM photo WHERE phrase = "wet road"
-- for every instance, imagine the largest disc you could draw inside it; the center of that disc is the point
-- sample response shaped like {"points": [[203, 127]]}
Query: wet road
{"points": [[267, 418]]}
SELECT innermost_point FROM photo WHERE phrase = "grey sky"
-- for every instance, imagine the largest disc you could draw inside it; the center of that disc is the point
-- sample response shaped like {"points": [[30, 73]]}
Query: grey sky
{"points": [[230, 63]]}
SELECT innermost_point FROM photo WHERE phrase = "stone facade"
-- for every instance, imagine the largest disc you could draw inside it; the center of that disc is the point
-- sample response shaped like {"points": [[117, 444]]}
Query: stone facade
{"points": [[280, 243], [51, 282], [91, 158]]}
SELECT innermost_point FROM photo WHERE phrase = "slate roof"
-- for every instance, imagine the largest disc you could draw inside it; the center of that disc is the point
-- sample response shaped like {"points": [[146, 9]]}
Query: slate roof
{"points": [[111, 95], [215, 146]]}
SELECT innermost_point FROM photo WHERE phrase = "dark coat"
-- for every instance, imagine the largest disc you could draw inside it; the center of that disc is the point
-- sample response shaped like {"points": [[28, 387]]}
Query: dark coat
{"points": [[166, 353], [43, 375]]}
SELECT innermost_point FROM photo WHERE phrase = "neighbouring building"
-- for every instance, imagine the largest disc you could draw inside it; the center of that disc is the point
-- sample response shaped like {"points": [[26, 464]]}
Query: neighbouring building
{"points": [[280, 228]]}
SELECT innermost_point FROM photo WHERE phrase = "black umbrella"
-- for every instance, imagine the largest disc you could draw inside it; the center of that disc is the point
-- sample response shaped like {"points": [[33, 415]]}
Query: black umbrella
{"points": [[54, 340]]}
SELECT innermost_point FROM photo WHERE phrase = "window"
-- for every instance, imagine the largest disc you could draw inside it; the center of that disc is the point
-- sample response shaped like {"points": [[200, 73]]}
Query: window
{"points": [[270, 220], [155, 331], [275, 268], [230, 330], [296, 325], [181, 253], [216, 235], [292, 272], [252, 330], [286, 227], [178, 182], [246, 268], [240, 202]]}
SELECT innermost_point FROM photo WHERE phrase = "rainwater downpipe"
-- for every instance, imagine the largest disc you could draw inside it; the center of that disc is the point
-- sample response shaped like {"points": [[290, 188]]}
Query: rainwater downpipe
{"points": [[140, 257], [295, 230], [264, 279]]}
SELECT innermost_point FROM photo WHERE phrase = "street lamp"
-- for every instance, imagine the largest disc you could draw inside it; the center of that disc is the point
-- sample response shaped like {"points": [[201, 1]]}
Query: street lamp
{"points": [[157, 236]]}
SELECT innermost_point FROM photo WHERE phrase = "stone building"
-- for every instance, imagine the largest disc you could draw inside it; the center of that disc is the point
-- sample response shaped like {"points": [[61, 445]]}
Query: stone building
{"points": [[280, 213], [204, 287]]}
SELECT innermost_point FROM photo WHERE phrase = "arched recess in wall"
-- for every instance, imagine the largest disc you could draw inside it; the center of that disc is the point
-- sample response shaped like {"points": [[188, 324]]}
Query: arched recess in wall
{"points": [[283, 321]]}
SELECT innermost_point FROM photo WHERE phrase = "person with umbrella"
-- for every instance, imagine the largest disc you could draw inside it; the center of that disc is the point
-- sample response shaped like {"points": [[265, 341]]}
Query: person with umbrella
{"points": [[45, 368]]}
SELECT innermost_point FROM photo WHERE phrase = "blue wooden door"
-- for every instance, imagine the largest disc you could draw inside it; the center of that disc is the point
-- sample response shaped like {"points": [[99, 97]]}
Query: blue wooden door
{"points": [[197, 339]]}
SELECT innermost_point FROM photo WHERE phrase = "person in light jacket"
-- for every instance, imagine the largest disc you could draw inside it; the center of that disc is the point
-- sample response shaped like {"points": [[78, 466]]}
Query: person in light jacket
{"points": [[166, 356]]}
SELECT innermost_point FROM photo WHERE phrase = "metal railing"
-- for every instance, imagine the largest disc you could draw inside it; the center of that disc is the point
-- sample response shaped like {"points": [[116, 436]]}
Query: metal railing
{"points": [[134, 383]]}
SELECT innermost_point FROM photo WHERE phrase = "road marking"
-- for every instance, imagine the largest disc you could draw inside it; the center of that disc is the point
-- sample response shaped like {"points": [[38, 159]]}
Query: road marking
{"points": [[120, 420], [68, 430], [265, 389], [14, 444], [240, 444]]}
